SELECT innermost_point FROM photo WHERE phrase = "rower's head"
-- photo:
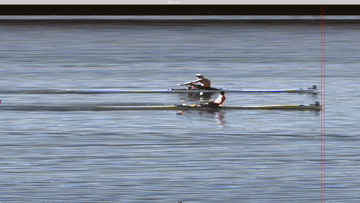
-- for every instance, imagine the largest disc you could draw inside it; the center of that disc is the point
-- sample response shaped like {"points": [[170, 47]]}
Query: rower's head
{"points": [[199, 76], [222, 92]]}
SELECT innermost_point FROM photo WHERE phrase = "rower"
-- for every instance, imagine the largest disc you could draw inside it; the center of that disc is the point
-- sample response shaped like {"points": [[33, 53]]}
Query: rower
{"points": [[200, 83], [220, 101]]}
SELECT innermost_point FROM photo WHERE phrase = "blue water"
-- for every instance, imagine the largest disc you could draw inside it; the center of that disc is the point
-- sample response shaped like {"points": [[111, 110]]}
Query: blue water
{"points": [[158, 156]]}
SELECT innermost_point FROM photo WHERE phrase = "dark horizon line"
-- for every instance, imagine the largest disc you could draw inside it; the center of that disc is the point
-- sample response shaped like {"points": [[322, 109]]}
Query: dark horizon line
{"points": [[156, 10]]}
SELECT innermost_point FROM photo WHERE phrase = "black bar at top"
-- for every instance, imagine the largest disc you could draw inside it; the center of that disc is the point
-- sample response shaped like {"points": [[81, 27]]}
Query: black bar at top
{"points": [[114, 10]]}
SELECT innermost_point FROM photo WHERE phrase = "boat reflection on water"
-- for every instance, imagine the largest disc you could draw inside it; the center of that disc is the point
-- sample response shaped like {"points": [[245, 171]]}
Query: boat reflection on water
{"points": [[217, 114], [221, 117]]}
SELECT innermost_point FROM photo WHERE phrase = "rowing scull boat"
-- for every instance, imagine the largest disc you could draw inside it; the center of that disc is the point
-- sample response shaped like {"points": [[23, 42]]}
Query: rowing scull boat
{"points": [[169, 107], [202, 108]]}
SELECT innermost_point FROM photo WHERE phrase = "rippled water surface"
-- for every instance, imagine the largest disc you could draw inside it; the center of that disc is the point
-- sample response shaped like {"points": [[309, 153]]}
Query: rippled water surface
{"points": [[159, 156]]}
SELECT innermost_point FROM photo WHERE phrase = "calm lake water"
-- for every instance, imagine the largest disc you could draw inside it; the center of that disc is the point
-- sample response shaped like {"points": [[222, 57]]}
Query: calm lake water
{"points": [[158, 156]]}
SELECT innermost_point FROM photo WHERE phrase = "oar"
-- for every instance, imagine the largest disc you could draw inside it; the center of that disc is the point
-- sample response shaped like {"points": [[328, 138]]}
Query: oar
{"points": [[191, 106]]}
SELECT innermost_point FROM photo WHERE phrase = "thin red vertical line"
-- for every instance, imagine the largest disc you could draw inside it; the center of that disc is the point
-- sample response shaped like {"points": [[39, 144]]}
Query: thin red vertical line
{"points": [[322, 9]]}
